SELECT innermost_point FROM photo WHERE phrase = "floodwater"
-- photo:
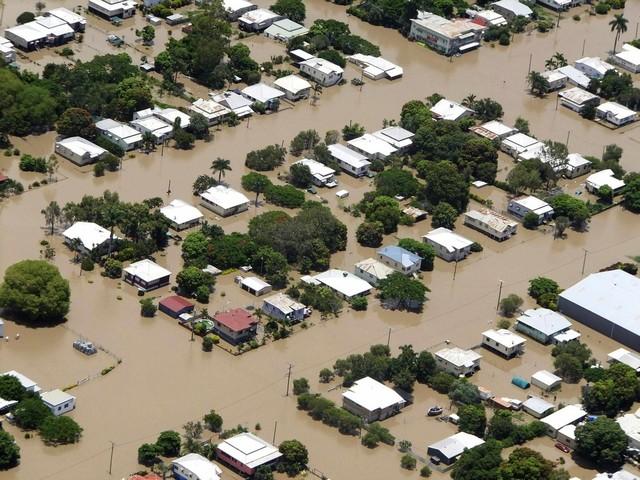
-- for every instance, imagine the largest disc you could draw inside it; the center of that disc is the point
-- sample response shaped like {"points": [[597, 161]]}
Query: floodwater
{"points": [[165, 380]]}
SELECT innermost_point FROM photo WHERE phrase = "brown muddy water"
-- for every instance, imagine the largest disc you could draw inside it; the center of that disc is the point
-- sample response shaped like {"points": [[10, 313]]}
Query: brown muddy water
{"points": [[165, 380]]}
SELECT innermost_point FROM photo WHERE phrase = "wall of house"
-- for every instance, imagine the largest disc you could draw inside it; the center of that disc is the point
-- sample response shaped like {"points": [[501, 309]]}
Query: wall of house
{"points": [[62, 409], [237, 465], [501, 349], [533, 333]]}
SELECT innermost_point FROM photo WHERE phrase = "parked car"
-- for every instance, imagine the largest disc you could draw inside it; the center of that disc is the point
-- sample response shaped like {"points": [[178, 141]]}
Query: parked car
{"points": [[115, 40], [562, 447], [434, 411]]}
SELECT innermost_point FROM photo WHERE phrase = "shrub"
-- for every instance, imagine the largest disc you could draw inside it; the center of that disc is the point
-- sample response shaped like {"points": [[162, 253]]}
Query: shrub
{"points": [[147, 308], [60, 430], [87, 264], [168, 443], [33, 164], [213, 421], [207, 343], [602, 8], [476, 247], [98, 169], [530, 221], [113, 268], [300, 386], [442, 382], [359, 303], [326, 375], [370, 234], [148, 454], [425, 472], [510, 304], [408, 462]]}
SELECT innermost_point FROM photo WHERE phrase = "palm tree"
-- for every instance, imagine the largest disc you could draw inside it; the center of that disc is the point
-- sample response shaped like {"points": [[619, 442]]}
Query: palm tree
{"points": [[220, 166], [556, 61], [51, 215], [469, 101], [317, 91], [538, 85], [148, 142], [619, 24]]}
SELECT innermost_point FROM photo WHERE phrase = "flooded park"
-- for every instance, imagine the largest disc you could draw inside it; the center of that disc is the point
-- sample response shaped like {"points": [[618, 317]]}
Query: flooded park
{"points": [[164, 379]]}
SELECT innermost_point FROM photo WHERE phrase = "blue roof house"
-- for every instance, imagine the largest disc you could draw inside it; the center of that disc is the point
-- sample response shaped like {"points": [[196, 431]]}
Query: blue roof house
{"points": [[400, 259]]}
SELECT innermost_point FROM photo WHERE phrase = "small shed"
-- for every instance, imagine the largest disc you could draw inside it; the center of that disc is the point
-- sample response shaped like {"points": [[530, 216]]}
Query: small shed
{"points": [[58, 402], [520, 382], [546, 380], [254, 285], [174, 306], [537, 407]]}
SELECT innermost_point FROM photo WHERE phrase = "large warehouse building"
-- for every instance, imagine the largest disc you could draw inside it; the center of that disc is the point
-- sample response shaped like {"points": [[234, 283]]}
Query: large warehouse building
{"points": [[608, 303]]}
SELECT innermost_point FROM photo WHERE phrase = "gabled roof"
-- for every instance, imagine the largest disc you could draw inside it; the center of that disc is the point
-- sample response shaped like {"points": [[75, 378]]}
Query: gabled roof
{"points": [[175, 303], [225, 197], [91, 235], [81, 147], [322, 65], [372, 145], [538, 405], [372, 395], [147, 270], [180, 212], [344, 282], [565, 416], [459, 357], [249, 450], [201, 468], [544, 320], [284, 303], [514, 6], [456, 444], [261, 92], [348, 156], [401, 255], [375, 268], [292, 83], [623, 355], [492, 219], [504, 337], [604, 177], [449, 110], [449, 240]]}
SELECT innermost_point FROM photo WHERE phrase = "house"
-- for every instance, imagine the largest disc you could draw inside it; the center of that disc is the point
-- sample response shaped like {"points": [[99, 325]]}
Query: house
{"points": [[628, 58], [236, 8], [537, 407], [578, 99], [567, 436], [376, 68], [349, 160], [559, 4], [546, 380], [557, 80], [175, 305], [246, 452], [457, 361], [491, 223], [282, 307], [400, 259], [263, 93], [29, 385], [604, 178], [518, 143], [322, 71], [254, 285], [619, 475], [615, 113], [511, 9], [372, 400], [449, 449], [146, 275], [172, 116], [372, 271], [43, 31], [602, 301], [235, 326], [176, 19], [74, 20], [504, 342], [88, 237], [58, 402], [448, 245], [487, 18], [7, 51], [258, 20], [569, 415], [285, 30], [160, 130], [542, 324], [576, 166], [239, 105], [397, 137], [294, 87], [298, 55], [593, 67], [575, 76], [493, 130], [372, 147], [124, 136], [448, 37], [520, 206], [194, 466], [622, 355], [110, 9], [80, 151], [345, 284], [181, 215], [321, 175], [450, 110], [224, 201], [630, 425]]}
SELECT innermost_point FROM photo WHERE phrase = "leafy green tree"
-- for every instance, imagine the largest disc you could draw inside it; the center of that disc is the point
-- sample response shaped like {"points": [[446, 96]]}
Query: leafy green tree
{"points": [[445, 184], [242, 65], [501, 425], [300, 175], [9, 451], [199, 127], [556, 61], [195, 248], [538, 85], [221, 166], [603, 442], [441, 382], [522, 125], [30, 413], [76, 122], [333, 56], [424, 250], [294, 10], [370, 234], [265, 159], [192, 278], [60, 430], [263, 472], [408, 462], [632, 194], [11, 388], [473, 419], [183, 140], [425, 366], [272, 264], [147, 307], [257, 183], [168, 443], [396, 181], [385, 210], [615, 392], [304, 141], [479, 463], [147, 34], [574, 209], [487, 109], [526, 463], [359, 304], [326, 375], [294, 457], [284, 196], [148, 454], [510, 304], [34, 291], [300, 386], [400, 292], [444, 215], [351, 131], [213, 421], [192, 437], [541, 285], [51, 215], [523, 177], [464, 392]]}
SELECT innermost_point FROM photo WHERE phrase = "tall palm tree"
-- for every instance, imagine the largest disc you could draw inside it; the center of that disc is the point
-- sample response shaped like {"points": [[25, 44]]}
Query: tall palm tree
{"points": [[469, 101], [619, 24], [220, 166], [51, 214]]}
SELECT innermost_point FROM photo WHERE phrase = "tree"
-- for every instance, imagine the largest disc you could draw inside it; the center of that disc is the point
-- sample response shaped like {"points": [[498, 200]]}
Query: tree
{"points": [[221, 166], [76, 122], [60, 430], [199, 127], [51, 215], [612, 153], [300, 386], [577, 211], [487, 109], [568, 367], [11, 388], [147, 307], [294, 10], [473, 419], [445, 184], [30, 413], [148, 454], [304, 140], [560, 225], [526, 463], [619, 25], [603, 442], [614, 392], [408, 462], [351, 131], [501, 425], [479, 463], [425, 366], [424, 250], [272, 264], [631, 199], [265, 159], [147, 34], [444, 215], [300, 175], [370, 234], [183, 139], [255, 182], [34, 291], [326, 375], [25, 17], [191, 439], [386, 211], [396, 181], [294, 457], [400, 292], [203, 183], [168, 443], [213, 421], [510, 304], [558, 60], [263, 472], [531, 221], [9, 451], [605, 194], [464, 392], [284, 196], [538, 85], [521, 125], [541, 285], [192, 278]]}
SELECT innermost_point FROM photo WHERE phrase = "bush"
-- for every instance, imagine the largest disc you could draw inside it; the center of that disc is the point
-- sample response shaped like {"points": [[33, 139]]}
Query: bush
{"points": [[147, 308], [284, 196], [602, 8], [213, 421], [442, 382], [425, 472], [98, 169], [202, 294], [300, 386], [148, 454], [333, 56], [510, 304], [326, 375], [359, 303], [87, 264], [476, 247], [9, 451], [530, 221], [113, 268], [370, 234], [207, 343], [168, 443], [60, 430], [30, 413], [408, 462]]}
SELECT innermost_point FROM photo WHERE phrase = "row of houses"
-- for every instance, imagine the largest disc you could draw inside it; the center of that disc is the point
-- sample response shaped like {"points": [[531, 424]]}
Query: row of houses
{"points": [[57, 401]]}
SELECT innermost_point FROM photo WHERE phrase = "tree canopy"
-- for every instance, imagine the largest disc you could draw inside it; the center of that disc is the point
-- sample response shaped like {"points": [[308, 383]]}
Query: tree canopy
{"points": [[602, 441], [400, 292]]}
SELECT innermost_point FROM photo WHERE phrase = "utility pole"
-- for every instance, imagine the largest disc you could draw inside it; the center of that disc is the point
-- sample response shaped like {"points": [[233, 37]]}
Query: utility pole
{"points": [[568, 135], [557, 100], [455, 269], [288, 379], [169, 188], [389, 337], [530, 58], [275, 429], [499, 296], [111, 457], [584, 261], [585, 41]]}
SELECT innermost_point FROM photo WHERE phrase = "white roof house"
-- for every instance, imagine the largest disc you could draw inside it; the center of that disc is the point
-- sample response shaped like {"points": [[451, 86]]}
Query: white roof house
{"points": [[210, 109], [224, 200], [396, 136], [248, 450], [555, 78], [491, 223], [537, 406], [322, 175], [59, 402], [518, 143], [255, 285], [575, 76], [615, 113], [619, 475], [593, 67], [28, 384], [344, 283], [91, 235], [300, 55], [181, 214], [542, 324], [376, 67], [372, 270], [372, 147], [235, 8], [458, 360], [545, 380], [322, 71], [292, 84], [450, 448], [160, 129], [147, 271], [493, 130], [285, 29], [258, 19], [373, 395], [628, 58], [79, 150], [235, 102], [630, 425], [196, 467], [604, 178], [520, 206], [284, 304], [450, 110], [68, 16], [261, 92], [504, 337], [487, 17], [576, 98], [622, 355], [565, 416], [513, 7], [124, 135], [448, 245], [576, 165], [348, 159], [7, 52]]}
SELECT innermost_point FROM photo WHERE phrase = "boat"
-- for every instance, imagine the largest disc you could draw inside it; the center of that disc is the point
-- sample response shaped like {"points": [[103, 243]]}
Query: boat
{"points": [[434, 411]]}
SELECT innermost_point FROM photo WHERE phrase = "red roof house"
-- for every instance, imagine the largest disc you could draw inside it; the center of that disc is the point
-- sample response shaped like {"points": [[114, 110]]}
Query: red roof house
{"points": [[235, 326], [174, 306]]}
